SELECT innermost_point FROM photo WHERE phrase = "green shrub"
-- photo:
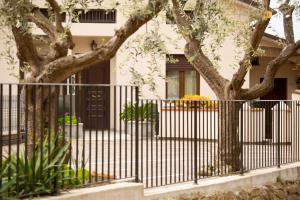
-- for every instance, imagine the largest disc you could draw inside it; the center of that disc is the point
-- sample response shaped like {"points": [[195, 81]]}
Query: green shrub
{"points": [[35, 176], [147, 111]]}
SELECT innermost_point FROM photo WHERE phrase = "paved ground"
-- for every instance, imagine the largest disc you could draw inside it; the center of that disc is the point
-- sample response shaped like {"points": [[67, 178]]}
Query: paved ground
{"points": [[166, 161]]}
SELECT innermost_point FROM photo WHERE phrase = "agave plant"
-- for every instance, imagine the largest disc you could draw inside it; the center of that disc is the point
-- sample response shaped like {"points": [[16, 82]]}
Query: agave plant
{"points": [[25, 176]]}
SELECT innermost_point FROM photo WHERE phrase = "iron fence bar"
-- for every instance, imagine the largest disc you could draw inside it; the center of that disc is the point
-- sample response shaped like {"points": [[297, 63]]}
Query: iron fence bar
{"points": [[170, 146], [64, 129], [9, 132], [242, 140], [126, 130], [114, 129], [56, 168], [136, 135], [41, 128], [1, 133], [151, 135], [97, 128], [195, 144], [278, 138], [142, 148], [156, 140], [91, 94], [77, 93], [147, 148], [18, 140], [120, 127], [34, 112], [49, 128]]}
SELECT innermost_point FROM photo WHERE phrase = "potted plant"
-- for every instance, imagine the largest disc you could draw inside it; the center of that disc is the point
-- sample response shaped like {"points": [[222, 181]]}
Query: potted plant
{"points": [[147, 118], [70, 123]]}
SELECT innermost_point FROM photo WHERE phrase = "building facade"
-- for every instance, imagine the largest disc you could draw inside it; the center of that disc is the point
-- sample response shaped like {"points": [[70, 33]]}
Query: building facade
{"points": [[175, 80]]}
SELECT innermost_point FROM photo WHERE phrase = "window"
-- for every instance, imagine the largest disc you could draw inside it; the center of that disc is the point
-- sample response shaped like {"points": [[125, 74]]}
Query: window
{"points": [[97, 16], [182, 79]]}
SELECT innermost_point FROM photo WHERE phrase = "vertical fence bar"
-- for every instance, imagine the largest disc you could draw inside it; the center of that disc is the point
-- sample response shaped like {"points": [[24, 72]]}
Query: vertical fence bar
{"points": [[56, 90], [136, 135], [151, 132], [115, 133], [195, 144], [242, 138], [32, 146], [120, 133], [1, 132], [26, 132], [278, 136], [18, 139], [98, 116], [9, 131], [41, 126], [126, 130], [63, 123]]}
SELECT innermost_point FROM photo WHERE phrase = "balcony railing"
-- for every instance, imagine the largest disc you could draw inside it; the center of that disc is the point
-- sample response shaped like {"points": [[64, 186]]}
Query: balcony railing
{"points": [[96, 16]]}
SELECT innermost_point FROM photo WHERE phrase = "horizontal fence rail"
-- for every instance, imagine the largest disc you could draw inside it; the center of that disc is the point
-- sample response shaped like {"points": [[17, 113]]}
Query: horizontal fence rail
{"points": [[73, 135]]}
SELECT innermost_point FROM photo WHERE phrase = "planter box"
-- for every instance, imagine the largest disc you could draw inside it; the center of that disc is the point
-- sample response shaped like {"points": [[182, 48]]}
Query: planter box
{"points": [[144, 128], [74, 130]]}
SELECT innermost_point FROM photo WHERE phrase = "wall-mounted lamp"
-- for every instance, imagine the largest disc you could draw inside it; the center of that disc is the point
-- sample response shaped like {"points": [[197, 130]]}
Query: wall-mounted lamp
{"points": [[93, 45]]}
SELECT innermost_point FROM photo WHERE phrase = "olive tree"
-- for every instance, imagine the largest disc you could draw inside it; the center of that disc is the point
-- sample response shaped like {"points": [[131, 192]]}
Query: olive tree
{"points": [[20, 18], [209, 20]]}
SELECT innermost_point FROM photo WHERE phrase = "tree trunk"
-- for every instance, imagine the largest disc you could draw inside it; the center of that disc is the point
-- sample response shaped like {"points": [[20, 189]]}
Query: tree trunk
{"points": [[230, 135], [40, 103]]}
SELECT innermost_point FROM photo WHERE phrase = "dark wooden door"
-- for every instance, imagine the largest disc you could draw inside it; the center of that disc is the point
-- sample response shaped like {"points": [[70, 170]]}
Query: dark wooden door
{"points": [[279, 92], [95, 109]]}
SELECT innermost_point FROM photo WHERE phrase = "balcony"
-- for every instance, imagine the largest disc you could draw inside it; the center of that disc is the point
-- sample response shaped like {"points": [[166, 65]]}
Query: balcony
{"points": [[96, 16], [94, 22]]}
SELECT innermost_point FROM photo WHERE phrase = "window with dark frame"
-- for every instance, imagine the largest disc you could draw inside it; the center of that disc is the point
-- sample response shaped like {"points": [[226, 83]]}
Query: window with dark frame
{"points": [[182, 78], [96, 16]]}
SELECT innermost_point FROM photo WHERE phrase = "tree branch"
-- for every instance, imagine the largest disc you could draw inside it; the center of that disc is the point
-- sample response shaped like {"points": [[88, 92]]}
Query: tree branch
{"points": [[26, 49], [273, 66], [194, 52], [43, 23], [62, 68], [287, 11], [238, 78], [58, 19], [59, 44]]}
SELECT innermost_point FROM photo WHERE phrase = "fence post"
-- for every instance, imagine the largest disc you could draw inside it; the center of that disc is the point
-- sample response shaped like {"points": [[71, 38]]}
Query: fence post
{"points": [[278, 135], [195, 144], [56, 89], [242, 139], [136, 135]]}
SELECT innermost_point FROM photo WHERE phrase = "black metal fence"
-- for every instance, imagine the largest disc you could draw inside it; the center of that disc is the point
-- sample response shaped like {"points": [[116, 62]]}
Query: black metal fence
{"points": [[73, 135], [199, 139], [56, 136]]}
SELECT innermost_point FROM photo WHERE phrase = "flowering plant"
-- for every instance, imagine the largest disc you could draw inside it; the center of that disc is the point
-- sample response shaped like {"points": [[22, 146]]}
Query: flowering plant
{"points": [[192, 100], [68, 119]]}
